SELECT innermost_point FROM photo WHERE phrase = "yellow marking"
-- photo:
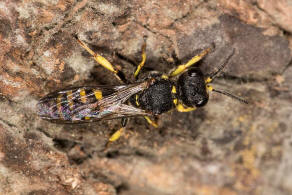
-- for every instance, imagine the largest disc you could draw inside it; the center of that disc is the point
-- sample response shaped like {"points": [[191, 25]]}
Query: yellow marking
{"points": [[83, 96], [208, 80], [137, 102], [175, 101], [194, 60], [173, 90], [116, 135], [98, 94], [98, 58], [105, 63], [181, 108], [143, 60], [59, 106], [87, 118], [140, 65], [164, 76], [151, 122], [209, 88], [70, 99]]}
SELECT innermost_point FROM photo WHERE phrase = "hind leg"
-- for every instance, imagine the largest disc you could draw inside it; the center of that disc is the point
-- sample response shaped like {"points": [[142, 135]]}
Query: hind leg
{"points": [[103, 61], [118, 133]]}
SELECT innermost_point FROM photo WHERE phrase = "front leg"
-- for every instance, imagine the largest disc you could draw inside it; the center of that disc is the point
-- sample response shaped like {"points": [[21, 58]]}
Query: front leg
{"points": [[195, 59], [181, 108], [151, 122]]}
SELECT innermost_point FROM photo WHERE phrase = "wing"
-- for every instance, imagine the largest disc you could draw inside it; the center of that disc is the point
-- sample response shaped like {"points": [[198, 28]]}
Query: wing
{"points": [[87, 104], [107, 113]]}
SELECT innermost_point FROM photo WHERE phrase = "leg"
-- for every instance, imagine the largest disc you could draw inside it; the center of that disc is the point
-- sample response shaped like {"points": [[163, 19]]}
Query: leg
{"points": [[102, 61], [191, 62], [151, 122], [139, 67], [119, 132], [181, 108]]}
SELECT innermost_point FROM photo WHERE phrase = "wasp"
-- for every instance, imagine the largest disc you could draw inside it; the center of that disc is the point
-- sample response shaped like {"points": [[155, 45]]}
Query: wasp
{"points": [[184, 89]]}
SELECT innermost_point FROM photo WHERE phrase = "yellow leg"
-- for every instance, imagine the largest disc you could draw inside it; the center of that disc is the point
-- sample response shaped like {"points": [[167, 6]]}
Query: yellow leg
{"points": [[139, 67], [102, 61], [151, 122], [191, 62], [181, 108], [116, 135]]}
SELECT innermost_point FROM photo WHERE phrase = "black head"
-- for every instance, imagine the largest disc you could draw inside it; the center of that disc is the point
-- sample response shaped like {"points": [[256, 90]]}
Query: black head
{"points": [[192, 88]]}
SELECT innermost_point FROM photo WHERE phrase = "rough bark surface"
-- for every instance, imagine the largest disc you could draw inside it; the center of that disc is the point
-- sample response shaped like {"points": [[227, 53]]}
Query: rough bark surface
{"points": [[223, 148]]}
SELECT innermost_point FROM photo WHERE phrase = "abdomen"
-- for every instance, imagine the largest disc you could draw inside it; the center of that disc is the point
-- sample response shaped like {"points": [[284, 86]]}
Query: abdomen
{"points": [[72, 105]]}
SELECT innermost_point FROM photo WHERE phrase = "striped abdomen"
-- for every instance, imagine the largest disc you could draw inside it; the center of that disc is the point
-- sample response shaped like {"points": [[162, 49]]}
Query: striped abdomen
{"points": [[74, 105]]}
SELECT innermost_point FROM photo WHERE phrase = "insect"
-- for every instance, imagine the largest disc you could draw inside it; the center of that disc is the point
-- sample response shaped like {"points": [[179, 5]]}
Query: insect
{"points": [[185, 88]]}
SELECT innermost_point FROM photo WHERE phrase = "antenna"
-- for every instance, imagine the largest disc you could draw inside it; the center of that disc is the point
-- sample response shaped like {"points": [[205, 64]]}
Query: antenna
{"points": [[231, 95], [215, 74]]}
